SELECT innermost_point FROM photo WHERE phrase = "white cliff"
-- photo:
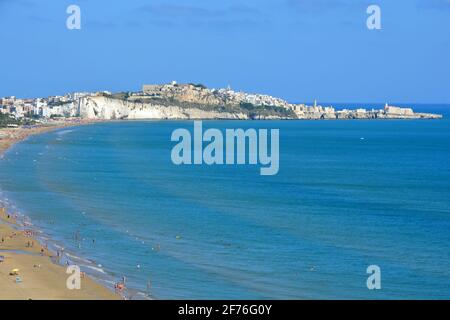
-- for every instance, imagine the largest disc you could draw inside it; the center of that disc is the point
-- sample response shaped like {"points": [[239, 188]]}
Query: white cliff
{"points": [[105, 107], [101, 107], [190, 101]]}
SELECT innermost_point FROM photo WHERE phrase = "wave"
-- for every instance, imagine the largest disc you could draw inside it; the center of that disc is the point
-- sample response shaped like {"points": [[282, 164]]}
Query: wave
{"points": [[63, 132], [95, 269], [74, 257]]}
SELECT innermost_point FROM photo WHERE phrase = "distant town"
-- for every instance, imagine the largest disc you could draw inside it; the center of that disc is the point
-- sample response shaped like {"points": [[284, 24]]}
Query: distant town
{"points": [[183, 101]]}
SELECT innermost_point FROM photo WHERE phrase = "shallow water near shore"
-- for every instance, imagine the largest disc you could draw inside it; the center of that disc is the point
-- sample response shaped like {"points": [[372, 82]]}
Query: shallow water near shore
{"points": [[349, 194]]}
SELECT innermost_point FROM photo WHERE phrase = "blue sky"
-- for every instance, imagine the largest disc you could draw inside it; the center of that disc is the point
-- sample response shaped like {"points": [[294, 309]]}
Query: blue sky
{"points": [[300, 50]]}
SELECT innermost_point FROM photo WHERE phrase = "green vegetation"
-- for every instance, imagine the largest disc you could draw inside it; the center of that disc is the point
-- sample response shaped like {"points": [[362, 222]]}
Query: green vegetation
{"points": [[119, 95], [31, 115], [256, 112], [221, 104], [198, 85], [253, 111], [58, 103], [7, 119]]}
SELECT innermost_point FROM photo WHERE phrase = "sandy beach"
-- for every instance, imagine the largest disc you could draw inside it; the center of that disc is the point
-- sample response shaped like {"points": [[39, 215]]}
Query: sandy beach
{"points": [[38, 276], [9, 136]]}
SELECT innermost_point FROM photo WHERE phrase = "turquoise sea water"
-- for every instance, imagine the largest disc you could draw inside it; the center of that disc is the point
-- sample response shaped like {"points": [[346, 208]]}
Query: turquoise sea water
{"points": [[339, 204]]}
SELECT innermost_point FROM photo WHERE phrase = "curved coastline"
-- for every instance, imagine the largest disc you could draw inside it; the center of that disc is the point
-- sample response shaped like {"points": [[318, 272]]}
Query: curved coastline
{"points": [[24, 247], [56, 236]]}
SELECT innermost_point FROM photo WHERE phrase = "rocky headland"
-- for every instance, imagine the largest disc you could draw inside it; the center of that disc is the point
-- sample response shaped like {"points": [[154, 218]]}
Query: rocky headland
{"points": [[190, 101]]}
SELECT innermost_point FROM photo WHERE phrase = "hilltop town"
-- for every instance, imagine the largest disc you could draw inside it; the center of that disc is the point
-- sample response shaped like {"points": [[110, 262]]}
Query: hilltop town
{"points": [[183, 101]]}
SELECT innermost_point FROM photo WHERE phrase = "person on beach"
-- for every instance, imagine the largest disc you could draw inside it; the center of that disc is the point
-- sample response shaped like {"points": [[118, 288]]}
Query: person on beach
{"points": [[119, 287]]}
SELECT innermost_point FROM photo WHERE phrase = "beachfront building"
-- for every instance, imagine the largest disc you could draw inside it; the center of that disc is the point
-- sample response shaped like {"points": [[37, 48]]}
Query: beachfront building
{"points": [[78, 95], [39, 106], [151, 88], [398, 111]]}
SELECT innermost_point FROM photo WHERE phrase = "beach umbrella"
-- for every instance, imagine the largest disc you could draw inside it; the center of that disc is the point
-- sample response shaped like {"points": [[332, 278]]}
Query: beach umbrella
{"points": [[14, 272]]}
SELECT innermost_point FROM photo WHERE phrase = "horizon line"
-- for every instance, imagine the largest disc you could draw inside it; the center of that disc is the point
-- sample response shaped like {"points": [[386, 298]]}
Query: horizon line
{"points": [[293, 101]]}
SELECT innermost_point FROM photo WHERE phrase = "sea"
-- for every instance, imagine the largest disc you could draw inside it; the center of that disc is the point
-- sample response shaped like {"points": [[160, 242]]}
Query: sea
{"points": [[349, 195]]}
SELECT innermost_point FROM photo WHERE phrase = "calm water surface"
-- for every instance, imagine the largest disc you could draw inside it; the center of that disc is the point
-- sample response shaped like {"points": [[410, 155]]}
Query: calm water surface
{"points": [[349, 194]]}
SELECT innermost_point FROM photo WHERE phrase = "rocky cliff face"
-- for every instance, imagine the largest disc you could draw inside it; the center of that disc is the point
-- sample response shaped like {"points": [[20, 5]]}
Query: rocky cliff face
{"points": [[193, 102], [101, 107], [190, 101], [389, 112], [106, 108]]}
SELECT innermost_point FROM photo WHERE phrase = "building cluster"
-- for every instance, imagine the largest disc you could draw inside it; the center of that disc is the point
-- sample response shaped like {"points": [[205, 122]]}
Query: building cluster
{"points": [[67, 105], [189, 96], [252, 98], [199, 93], [40, 107]]}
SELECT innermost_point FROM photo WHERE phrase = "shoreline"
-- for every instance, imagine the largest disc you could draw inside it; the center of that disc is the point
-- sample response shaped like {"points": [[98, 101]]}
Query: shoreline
{"points": [[188, 101], [11, 136], [40, 276], [20, 251]]}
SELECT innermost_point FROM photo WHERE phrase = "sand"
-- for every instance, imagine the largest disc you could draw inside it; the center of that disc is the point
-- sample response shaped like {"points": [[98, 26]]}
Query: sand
{"points": [[9, 136], [40, 277]]}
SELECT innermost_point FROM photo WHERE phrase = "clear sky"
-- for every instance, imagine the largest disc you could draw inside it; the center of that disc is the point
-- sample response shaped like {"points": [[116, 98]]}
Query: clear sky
{"points": [[296, 49]]}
